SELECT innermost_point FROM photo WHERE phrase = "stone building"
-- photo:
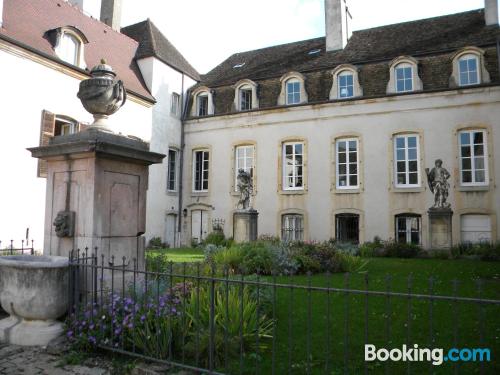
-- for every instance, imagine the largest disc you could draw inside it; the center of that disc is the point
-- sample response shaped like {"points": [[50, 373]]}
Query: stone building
{"points": [[338, 133], [46, 48]]}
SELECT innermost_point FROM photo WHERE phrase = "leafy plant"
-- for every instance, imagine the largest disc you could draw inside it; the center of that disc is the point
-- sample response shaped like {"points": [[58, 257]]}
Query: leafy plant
{"points": [[230, 259], [351, 263]]}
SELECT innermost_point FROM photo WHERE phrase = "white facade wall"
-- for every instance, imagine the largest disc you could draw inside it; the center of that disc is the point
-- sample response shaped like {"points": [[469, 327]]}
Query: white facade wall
{"points": [[435, 117], [163, 81], [29, 85]]}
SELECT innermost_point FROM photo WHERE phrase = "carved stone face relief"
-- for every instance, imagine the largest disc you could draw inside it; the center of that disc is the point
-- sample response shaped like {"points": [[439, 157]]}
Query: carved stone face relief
{"points": [[64, 224]]}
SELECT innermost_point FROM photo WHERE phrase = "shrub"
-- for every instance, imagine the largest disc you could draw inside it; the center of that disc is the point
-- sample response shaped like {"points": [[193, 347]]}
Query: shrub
{"points": [[351, 263], [257, 258], [307, 263], [210, 250], [216, 238], [156, 243], [483, 250], [401, 250], [347, 248], [229, 258]]}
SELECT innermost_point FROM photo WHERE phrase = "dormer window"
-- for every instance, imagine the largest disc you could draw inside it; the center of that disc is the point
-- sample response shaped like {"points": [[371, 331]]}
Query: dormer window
{"points": [[68, 44], [403, 76], [469, 68], [345, 83], [292, 89], [202, 102], [245, 95]]}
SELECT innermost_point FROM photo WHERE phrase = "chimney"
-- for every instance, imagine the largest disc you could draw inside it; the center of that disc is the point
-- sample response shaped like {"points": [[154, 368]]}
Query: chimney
{"points": [[491, 12], [111, 13], [336, 24]]}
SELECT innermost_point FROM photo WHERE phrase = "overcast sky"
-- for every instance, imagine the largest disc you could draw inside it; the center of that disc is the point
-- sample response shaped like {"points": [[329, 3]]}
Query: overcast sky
{"points": [[206, 32]]}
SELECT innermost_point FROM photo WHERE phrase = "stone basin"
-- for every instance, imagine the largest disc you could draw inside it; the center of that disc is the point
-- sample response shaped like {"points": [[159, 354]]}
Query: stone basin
{"points": [[34, 291]]}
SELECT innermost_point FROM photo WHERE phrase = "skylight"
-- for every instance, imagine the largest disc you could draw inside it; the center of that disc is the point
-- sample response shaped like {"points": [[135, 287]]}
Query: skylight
{"points": [[240, 65], [314, 52]]}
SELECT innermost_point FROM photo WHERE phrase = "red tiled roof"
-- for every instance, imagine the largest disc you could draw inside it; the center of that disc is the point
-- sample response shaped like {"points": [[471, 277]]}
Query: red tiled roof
{"points": [[27, 21]]}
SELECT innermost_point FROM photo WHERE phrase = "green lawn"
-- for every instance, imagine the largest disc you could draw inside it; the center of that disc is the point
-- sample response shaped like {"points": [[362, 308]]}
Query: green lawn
{"points": [[180, 255], [335, 335]]}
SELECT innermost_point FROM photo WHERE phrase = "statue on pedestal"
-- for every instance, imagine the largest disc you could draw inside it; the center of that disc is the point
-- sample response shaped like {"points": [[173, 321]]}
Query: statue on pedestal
{"points": [[438, 184], [245, 187]]}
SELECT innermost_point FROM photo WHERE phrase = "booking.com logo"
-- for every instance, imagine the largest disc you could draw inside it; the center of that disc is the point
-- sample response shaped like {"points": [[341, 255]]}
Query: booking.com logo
{"points": [[437, 356]]}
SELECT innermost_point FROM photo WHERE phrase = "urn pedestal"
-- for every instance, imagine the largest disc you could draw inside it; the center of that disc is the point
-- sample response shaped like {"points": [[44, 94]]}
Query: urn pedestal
{"points": [[440, 224], [102, 179], [245, 225]]}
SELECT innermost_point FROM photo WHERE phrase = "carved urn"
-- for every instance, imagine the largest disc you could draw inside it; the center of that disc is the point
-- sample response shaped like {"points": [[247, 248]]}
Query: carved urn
{"points": [[102, 94]]}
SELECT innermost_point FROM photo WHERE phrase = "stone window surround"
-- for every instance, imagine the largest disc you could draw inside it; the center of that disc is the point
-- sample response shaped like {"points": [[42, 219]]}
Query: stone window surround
{"points": [[485, 156], [245, 84], [353, 211], [203, 90], [175, 107], [294, 211], [457, 216], [282, 98], [80, 38], [484, 76], [281, 143], [233, 191], [392, 165], [424, 221], [357, 90], [196, 193], [489, 153], [417, 84]]}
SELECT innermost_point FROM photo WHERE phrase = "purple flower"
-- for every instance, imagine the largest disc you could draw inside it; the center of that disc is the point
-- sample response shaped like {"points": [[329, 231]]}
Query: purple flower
{"points": [[143, 318], [69, 334]]}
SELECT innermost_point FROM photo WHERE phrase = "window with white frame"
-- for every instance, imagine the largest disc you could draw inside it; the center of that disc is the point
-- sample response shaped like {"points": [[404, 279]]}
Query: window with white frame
{"points": [[347, 158], [292, 227], [202, 104], [406, 156], [244, 159], [200, 170], [245, 98], [346, 84], [408, 228], [293, 166], [404, 77], [175, 101], [69, 48], [292, 91], [468, 69], [473, 157], [172, 170]]}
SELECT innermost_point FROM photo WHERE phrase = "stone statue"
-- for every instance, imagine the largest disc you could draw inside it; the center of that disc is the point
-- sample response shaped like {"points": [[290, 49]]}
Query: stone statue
{"points": [[245, 187], [438, 183]]}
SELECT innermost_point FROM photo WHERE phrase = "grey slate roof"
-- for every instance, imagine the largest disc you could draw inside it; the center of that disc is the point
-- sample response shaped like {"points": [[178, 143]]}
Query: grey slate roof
{"points": [[152, 43], [415, 38]]}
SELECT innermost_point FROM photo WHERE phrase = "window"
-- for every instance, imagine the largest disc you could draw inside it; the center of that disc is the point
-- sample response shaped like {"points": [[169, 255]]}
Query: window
{"points": [[347, 228], [473, 160], [245, 98], [347, 163], [468, 70], [64, 126], [175, 104], [404, 77], [475, 228], [69, 48], [292, 91], [202, 104], [200, 170], [293, 166], [406, 155], [408, 229], [172, 170], [243, 160], [346, 84], [292, 227]]}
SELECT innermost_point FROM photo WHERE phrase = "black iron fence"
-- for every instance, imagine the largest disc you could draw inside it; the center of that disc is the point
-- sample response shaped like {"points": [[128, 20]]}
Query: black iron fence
{"points": [[10, 247], [204, 319]]}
